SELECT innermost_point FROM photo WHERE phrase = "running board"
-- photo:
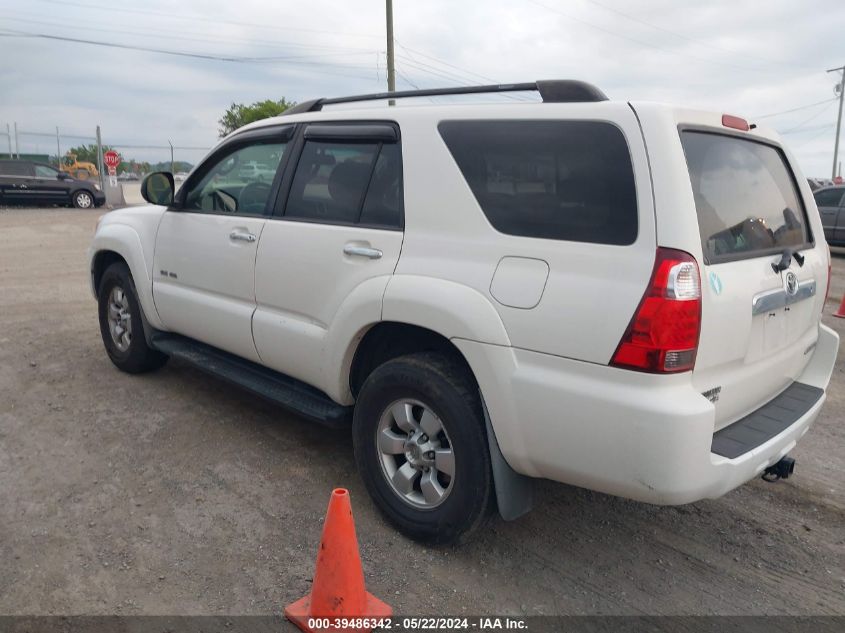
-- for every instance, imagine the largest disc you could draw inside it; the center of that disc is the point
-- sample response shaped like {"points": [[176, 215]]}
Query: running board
{"points": [[290, 393]]}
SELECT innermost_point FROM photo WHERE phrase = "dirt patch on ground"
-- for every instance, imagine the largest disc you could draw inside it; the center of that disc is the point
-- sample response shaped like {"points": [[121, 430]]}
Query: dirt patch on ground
{"points": [[174, 493]]}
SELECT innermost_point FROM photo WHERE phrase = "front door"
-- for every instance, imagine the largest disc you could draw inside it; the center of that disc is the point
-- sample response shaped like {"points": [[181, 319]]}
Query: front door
{"points": [[336, 235], [48, 187], [204, 268]]}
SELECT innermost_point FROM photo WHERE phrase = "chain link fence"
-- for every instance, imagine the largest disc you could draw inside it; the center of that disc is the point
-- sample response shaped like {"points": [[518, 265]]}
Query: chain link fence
{"points": [[81, 155]]}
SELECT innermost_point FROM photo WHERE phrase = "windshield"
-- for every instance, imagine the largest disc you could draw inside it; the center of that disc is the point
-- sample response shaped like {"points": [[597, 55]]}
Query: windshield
{"points": [[745, 197]]}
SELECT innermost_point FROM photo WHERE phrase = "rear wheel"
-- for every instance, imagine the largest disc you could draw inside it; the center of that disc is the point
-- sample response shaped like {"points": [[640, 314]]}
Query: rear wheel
{"points": [[421, 447], [83, 199], [120, 323]]}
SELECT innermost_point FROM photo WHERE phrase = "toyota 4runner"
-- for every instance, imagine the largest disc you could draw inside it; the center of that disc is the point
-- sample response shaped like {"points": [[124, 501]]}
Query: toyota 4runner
{"points": [[619, 296]]}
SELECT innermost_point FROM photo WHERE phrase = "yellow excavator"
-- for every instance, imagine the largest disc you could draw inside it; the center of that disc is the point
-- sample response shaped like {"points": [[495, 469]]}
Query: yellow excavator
{"points": [[81, 170]]}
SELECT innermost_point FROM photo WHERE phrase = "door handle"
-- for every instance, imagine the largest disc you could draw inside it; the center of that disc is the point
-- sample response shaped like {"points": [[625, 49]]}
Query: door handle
{"points": [[362, 251], [242, 236]]}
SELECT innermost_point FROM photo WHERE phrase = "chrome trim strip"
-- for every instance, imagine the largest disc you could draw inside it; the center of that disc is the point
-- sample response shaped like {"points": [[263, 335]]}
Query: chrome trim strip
{"points": [[776, 299]]}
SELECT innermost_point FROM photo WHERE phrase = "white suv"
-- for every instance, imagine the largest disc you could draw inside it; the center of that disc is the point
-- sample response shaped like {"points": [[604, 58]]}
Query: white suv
{"points": [[619, 296]]}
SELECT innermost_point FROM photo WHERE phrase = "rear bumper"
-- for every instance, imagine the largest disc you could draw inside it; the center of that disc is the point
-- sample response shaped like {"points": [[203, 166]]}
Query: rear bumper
{"points": [[624, 433], [99, 198]]}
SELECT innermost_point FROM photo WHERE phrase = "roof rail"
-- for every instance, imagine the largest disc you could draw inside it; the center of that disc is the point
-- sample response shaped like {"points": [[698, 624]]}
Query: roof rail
{"points": [[551, 91]]}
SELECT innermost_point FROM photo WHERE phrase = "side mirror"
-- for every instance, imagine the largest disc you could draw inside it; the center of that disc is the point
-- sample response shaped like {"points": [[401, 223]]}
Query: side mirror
{"points": [[63, 175], [158, 188]]}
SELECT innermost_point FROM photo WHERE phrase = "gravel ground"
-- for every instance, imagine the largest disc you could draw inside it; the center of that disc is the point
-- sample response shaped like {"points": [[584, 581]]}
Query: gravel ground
{"points": [[173, 493]]}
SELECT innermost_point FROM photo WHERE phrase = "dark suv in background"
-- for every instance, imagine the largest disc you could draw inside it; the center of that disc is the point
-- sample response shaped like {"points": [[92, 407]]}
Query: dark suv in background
{"points": [[831, 204], [27, 182]]}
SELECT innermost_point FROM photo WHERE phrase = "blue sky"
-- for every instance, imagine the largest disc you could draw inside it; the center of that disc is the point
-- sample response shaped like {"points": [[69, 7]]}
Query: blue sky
{"points": [[749, 58]]}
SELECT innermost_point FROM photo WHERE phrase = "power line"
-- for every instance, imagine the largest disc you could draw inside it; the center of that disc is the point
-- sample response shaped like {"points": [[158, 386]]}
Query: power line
{"points": [[803, 123], [199, 18], [803, 107], [336, 51], [640, 42], [205, 56], [681, 35]]}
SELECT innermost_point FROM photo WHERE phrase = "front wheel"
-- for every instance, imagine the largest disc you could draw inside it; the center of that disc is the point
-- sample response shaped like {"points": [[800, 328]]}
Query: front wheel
{"points": [[120, 323], [421, 446]]}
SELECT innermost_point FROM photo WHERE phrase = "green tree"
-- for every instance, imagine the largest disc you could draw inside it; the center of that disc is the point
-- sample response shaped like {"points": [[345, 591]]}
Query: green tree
{"points": [[87, 153], [239, 114]]}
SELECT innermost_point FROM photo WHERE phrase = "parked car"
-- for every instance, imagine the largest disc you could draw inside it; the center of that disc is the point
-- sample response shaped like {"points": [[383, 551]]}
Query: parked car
{"points": [[831, 204], [577, 290], [255, 171], [128, 176], [27, 182]]}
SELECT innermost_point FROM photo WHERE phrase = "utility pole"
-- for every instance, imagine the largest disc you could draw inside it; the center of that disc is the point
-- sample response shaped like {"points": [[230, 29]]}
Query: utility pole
{"points": [[100, 159], [58, 150], [841, 69], [391, 71], [172, 168], [9, 138], [17, 142]]}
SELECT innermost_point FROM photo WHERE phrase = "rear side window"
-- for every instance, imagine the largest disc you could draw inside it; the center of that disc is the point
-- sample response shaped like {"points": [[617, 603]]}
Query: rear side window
{"points": [[828, 197], [14, 168], [347, 183], [745, 197], [560, 180]]}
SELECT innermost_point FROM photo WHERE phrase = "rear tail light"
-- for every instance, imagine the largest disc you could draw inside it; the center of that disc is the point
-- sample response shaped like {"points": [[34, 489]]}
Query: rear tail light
{"points": [[663, 334]]}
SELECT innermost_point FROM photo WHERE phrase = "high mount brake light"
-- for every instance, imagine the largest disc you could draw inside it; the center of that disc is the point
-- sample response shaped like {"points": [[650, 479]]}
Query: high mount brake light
{"points": [[737, 123], [662, 336]]}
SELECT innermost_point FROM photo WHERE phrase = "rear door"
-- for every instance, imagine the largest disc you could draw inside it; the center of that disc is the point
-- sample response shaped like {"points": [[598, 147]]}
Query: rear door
{"points": [[15, 181], [337, 231], [764, 271], [829, 202]]}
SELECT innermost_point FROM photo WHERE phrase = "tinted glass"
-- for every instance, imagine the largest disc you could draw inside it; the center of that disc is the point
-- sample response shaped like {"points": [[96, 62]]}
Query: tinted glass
{"points": [[828, 197], [330, 181], [745, 197], [383, 203], [239, 182], [42, 171], [14, 168], [562, 180]]}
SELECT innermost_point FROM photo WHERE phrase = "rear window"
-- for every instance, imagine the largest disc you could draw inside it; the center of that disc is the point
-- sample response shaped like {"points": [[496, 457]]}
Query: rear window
{"points": [[13, 168], [560, 180], [745, 197]]}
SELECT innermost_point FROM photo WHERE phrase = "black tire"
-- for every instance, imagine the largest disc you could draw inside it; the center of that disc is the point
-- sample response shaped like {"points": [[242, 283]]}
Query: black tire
{"points": [[446, 388], [137, 357], [83, 199]]}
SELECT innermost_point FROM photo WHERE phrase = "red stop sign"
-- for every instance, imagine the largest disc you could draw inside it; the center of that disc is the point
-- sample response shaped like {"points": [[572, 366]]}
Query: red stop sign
{"points": [[111, 158]]}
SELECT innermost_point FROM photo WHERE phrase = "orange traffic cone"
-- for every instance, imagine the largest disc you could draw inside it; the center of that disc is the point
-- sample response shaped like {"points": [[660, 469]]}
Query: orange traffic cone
{"points": [[841, 312], [338, 591]]}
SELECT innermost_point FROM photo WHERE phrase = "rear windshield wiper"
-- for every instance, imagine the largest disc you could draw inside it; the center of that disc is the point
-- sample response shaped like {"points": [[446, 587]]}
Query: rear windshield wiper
{"points": [[786, 260]]}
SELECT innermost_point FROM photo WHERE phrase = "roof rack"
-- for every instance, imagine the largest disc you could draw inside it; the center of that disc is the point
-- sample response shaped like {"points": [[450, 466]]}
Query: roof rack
{"points": [[551, 91]]}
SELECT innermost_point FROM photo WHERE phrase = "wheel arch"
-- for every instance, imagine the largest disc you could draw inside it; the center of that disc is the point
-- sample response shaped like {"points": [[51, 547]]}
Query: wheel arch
{"points": [[390, 339], [119, 242]]}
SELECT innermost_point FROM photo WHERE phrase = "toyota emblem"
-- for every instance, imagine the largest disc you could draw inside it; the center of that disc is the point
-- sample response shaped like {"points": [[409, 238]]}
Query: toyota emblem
{"points": [[791, 283]]}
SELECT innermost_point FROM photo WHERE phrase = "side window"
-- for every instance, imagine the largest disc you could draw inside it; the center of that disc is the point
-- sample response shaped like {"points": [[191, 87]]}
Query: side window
{"points": [[383, 204], [828, 197], [331, 180], [15, 168], [42, 171], [560, 180], [238, 182]]}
